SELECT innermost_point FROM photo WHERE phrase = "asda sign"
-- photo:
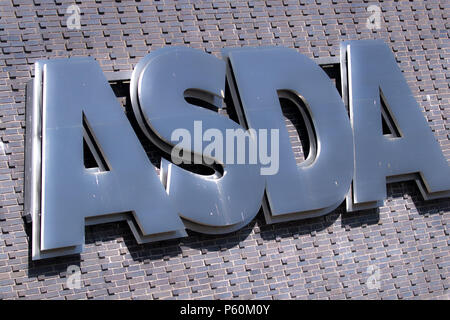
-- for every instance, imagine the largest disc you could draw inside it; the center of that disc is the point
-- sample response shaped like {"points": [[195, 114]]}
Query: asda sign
{"points": [[251, 161]]}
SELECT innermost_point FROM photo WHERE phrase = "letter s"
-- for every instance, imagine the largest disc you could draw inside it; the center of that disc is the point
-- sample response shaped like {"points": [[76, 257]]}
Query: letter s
{"points": [[208, 204]]}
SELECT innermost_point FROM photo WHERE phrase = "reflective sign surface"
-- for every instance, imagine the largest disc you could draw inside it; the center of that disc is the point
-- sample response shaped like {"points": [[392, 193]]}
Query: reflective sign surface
{"points": [[73, 108]]}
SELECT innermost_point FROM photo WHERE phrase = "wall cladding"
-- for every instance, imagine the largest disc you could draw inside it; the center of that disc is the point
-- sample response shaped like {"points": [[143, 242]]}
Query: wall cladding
{"points": [[406, 241]]}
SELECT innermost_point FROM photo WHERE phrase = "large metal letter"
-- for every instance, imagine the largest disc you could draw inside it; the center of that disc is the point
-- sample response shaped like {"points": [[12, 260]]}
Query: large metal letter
{"points": [[70, 92], [208, 204], [373, 78], [320, 183]]}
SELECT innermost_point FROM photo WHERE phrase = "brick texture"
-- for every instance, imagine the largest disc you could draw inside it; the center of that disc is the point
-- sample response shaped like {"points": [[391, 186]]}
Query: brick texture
{"points": [[406, 240]]}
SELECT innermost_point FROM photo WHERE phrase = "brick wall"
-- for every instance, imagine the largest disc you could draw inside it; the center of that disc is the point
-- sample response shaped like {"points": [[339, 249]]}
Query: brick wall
{"points": [[406, 241]]}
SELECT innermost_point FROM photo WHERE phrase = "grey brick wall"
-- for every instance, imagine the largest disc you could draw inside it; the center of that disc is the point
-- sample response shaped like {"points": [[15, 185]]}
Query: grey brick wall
{"points": [[407, 240]]}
